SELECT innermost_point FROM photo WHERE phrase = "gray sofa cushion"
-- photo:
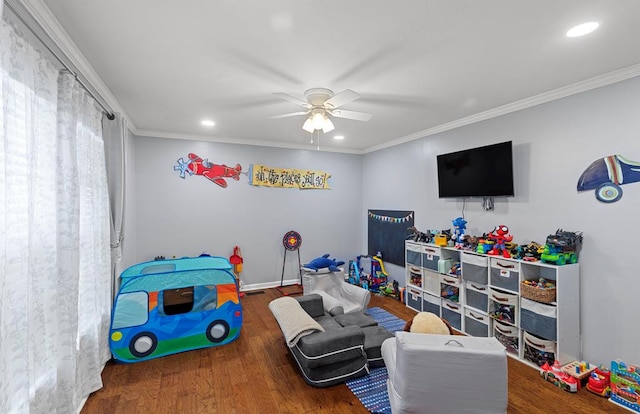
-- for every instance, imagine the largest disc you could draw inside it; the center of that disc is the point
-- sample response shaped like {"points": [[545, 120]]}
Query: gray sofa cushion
{"points": [[374, 336], [329, 347], [312, 304], [357, 319], [328, 323]]}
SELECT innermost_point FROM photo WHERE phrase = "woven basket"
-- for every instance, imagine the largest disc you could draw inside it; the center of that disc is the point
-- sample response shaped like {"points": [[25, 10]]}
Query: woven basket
{"points": [[546, 295]]}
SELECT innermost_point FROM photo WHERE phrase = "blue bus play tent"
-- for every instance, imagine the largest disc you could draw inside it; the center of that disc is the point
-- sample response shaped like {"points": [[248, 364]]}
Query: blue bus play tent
{"points": [[169, 306]]}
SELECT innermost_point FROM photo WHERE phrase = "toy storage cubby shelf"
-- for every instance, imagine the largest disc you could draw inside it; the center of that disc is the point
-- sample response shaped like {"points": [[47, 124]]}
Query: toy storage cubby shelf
{"points": [[484, 298]]}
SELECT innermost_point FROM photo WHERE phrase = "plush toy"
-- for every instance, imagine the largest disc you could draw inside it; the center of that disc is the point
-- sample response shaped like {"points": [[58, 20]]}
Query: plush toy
{"points": [[324, 262], [428, 323]]}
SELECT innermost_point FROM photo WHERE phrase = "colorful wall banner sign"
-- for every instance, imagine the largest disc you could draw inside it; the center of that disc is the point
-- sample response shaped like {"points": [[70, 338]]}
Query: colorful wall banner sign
{"points": [[262, 175], [389, 219]]}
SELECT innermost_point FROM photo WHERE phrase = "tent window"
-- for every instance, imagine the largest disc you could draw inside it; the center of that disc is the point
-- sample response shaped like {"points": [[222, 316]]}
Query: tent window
{"points": [[131, 310], [177, 301]]}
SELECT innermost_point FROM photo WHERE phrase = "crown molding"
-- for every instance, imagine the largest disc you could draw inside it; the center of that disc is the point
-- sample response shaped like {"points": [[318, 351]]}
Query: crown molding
{"points": [[240, 141], [553, 95]]}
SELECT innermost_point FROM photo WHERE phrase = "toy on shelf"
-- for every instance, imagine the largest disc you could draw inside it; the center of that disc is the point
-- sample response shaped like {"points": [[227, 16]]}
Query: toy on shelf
{"points": [[504, 313], [562, 247], [555, 375], [459, 226], [540, 290], [451, 293], [484, 245], [418, 236], [530, 252], [441, 240], [600, 381], [500, 235], [625, 385]]}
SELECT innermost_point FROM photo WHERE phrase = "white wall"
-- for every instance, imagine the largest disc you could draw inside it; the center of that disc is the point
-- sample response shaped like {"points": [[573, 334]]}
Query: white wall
{"points": [[186, 217], [553, 144]]}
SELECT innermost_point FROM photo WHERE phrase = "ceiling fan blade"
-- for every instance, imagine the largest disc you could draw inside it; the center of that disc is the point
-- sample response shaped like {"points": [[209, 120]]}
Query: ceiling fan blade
{"points": [[289, 115], [293, 99], [356, 116], [340, 99]]}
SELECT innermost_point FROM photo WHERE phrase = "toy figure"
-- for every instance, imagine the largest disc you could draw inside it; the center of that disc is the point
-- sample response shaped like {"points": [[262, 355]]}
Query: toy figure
{"points": [[459, 226], [322, 262], [419, 236], [500, 235]]}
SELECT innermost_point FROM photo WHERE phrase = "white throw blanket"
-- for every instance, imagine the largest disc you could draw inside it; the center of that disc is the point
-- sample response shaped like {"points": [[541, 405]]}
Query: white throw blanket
{"points": [[293, 320]]}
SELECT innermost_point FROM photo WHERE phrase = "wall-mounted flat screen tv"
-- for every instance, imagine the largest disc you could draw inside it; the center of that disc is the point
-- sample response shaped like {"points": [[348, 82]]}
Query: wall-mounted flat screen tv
{"points": [[477, 172]]}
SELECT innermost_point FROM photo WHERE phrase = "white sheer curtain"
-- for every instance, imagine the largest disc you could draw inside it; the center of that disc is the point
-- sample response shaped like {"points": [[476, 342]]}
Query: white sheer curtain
{"points": [[115, 133], [54, 249]]}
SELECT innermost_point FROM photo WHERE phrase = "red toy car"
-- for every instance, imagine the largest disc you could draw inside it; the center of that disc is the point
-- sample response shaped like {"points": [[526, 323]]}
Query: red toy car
{"points": [[600, 382]]}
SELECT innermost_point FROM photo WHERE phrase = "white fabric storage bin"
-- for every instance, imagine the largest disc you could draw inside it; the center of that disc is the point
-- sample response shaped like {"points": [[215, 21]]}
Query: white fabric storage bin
{"points": [[431, 282], [475, 268], [414, 299], [507, 335], [504, 274], [499, 301], [450, 288], [476, 323], [415, 276], [431, 303], [414, 255], [430, 257], [476, 296], [538, 350], [452, 313], [539, 319]]}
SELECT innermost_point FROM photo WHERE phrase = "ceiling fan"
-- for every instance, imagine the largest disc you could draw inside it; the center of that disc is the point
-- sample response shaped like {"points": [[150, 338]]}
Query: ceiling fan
{"points": [[321, 104]]}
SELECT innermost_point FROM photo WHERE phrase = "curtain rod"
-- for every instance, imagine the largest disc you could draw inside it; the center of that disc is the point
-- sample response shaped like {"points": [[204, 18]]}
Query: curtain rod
{"points": [[41, 35]]}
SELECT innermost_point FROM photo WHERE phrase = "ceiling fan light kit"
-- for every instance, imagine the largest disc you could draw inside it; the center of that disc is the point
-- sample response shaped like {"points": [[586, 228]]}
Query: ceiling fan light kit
{"points": [[320, 105]]}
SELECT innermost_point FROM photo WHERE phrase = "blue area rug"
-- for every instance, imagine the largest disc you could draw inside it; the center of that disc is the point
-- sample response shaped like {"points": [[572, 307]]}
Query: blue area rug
{"points": [[371, 389]]}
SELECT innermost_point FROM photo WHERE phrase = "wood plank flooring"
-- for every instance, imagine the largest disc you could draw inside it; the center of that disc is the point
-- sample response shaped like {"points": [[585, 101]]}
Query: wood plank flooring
{"points": [[256, 374]]}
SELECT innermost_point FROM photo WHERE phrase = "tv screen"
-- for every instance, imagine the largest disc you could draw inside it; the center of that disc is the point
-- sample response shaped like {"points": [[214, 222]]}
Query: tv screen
{"points": [[477, 172]]}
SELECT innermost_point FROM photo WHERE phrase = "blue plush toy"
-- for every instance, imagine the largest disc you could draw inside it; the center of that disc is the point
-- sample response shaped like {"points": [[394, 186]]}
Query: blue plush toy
{"points": [[322, 262]]}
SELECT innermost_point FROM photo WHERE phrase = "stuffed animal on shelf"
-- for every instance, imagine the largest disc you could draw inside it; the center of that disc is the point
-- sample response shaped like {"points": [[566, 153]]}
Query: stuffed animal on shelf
{"points": [[324, 262], [428, 323]]}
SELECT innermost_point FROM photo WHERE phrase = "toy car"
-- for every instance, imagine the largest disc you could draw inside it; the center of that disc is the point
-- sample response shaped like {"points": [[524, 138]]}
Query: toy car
{"points": [[558, 258], [600, 382], [557, 377], [561, 247]]}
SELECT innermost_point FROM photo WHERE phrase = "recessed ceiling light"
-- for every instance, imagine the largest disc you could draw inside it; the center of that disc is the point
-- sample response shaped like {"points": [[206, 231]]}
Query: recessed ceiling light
{"points": [[583, 29], [208, 123], [338, 137]]}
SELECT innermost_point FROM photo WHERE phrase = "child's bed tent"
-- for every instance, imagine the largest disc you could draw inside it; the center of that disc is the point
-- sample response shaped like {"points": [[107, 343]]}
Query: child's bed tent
{"points": [[169, 306]]}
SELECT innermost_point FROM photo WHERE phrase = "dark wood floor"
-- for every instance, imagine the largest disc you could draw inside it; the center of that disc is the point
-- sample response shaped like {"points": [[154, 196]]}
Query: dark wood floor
{"points": [[256, 374]]}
